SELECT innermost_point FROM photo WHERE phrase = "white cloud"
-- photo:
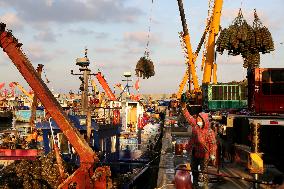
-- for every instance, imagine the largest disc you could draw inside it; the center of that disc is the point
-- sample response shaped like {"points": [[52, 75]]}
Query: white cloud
{"points": [[104, 50], [49, 3], [64, 11], [37, 54], [12, 20], [139, 38], [46, 35]]}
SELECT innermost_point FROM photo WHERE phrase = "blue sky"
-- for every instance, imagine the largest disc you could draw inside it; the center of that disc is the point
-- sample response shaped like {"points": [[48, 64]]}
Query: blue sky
{"points": [[55, 33]]}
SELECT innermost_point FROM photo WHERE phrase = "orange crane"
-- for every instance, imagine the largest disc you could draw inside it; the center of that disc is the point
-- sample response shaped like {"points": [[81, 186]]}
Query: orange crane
{"points": [[82, 177], [105, 86]]}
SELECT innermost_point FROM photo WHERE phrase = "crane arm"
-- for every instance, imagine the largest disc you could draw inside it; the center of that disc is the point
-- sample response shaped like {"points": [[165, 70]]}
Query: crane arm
{"points": [[105, 86], [22, 89], [213, 32], [186, 75], [191, 56], [11, 46], [182, 84]]}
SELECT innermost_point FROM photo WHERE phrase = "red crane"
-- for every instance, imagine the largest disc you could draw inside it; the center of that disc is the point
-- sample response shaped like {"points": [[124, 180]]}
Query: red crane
{"points": [[105, 86], [82, 177]]}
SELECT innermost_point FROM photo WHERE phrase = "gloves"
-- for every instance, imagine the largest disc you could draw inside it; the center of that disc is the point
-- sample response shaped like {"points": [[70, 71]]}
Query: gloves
{"points": [[212, 157]]}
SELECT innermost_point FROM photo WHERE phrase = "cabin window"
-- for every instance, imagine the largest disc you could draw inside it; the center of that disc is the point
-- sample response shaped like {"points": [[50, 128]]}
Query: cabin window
{"points": [[215, 93], [277, 88], [277, 75], [223, 93], [266, 88], [265, 76], [243, 92]]}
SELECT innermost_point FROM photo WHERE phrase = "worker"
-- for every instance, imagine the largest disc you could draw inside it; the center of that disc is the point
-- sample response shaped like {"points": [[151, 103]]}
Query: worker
{"points": [[202, 145]]}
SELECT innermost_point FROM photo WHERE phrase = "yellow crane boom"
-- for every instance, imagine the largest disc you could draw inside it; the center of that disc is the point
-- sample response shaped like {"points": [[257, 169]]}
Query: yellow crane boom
{"points": [[191, 56], [210, 66], [22, 89], [182, 84]]}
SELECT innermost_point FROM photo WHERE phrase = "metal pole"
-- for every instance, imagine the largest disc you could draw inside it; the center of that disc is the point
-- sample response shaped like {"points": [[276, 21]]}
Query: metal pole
{"points": [[84, 97], [35, 100], [255, 149], [89, 125]]}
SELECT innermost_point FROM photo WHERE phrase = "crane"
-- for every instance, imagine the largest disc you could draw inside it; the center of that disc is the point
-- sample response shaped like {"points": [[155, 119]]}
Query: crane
{"points": [[190, 55], [21, 88], [182, 84], [105, 86], [82, 177], [210, 67]]}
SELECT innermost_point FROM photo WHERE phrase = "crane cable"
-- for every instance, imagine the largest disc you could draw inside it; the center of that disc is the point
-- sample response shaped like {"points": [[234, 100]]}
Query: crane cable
{"points": [[47, 81], [147, 51]]}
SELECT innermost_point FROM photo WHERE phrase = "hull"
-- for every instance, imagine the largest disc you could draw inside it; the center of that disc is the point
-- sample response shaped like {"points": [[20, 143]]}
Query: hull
{"points": [[6, 116], [19, 154], [25, 115]]}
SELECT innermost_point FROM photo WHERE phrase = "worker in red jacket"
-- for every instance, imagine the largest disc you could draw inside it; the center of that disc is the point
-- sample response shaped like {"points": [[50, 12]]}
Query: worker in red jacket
{"points": [[202, 144]]}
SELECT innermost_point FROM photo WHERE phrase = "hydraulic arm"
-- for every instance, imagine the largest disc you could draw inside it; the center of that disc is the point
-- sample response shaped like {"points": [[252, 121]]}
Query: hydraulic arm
{"points": [[213, 32], [105, 86], [22, 89], [82, 175], [182, 84], [191, 56]]}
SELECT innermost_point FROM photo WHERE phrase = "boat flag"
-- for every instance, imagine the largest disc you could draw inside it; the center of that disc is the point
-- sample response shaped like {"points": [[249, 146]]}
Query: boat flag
{"points": [[137, 85], [2, 85]]}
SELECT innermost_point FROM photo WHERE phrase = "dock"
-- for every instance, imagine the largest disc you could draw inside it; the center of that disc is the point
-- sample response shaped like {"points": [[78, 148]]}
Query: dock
{"points": [[169, 161]]}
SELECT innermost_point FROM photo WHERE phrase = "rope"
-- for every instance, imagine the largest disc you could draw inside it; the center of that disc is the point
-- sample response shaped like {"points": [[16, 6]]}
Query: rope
{"points": [[147, 51]]}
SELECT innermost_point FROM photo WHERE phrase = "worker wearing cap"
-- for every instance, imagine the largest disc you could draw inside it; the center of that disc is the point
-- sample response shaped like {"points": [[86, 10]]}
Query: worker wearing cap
{"points": [[202, 144]]}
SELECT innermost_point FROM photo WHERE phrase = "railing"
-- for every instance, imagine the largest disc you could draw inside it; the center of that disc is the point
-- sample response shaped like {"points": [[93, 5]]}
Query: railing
{"points": [[102, 115], [107, 115]]}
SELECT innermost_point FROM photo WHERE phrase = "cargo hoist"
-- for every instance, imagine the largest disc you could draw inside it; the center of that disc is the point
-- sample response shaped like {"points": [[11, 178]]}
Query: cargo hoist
{"points": [[210, 68]]}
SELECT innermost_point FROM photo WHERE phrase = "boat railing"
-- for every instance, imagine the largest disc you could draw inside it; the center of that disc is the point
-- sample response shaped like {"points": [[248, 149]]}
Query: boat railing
{"points": [[106, 115]]}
